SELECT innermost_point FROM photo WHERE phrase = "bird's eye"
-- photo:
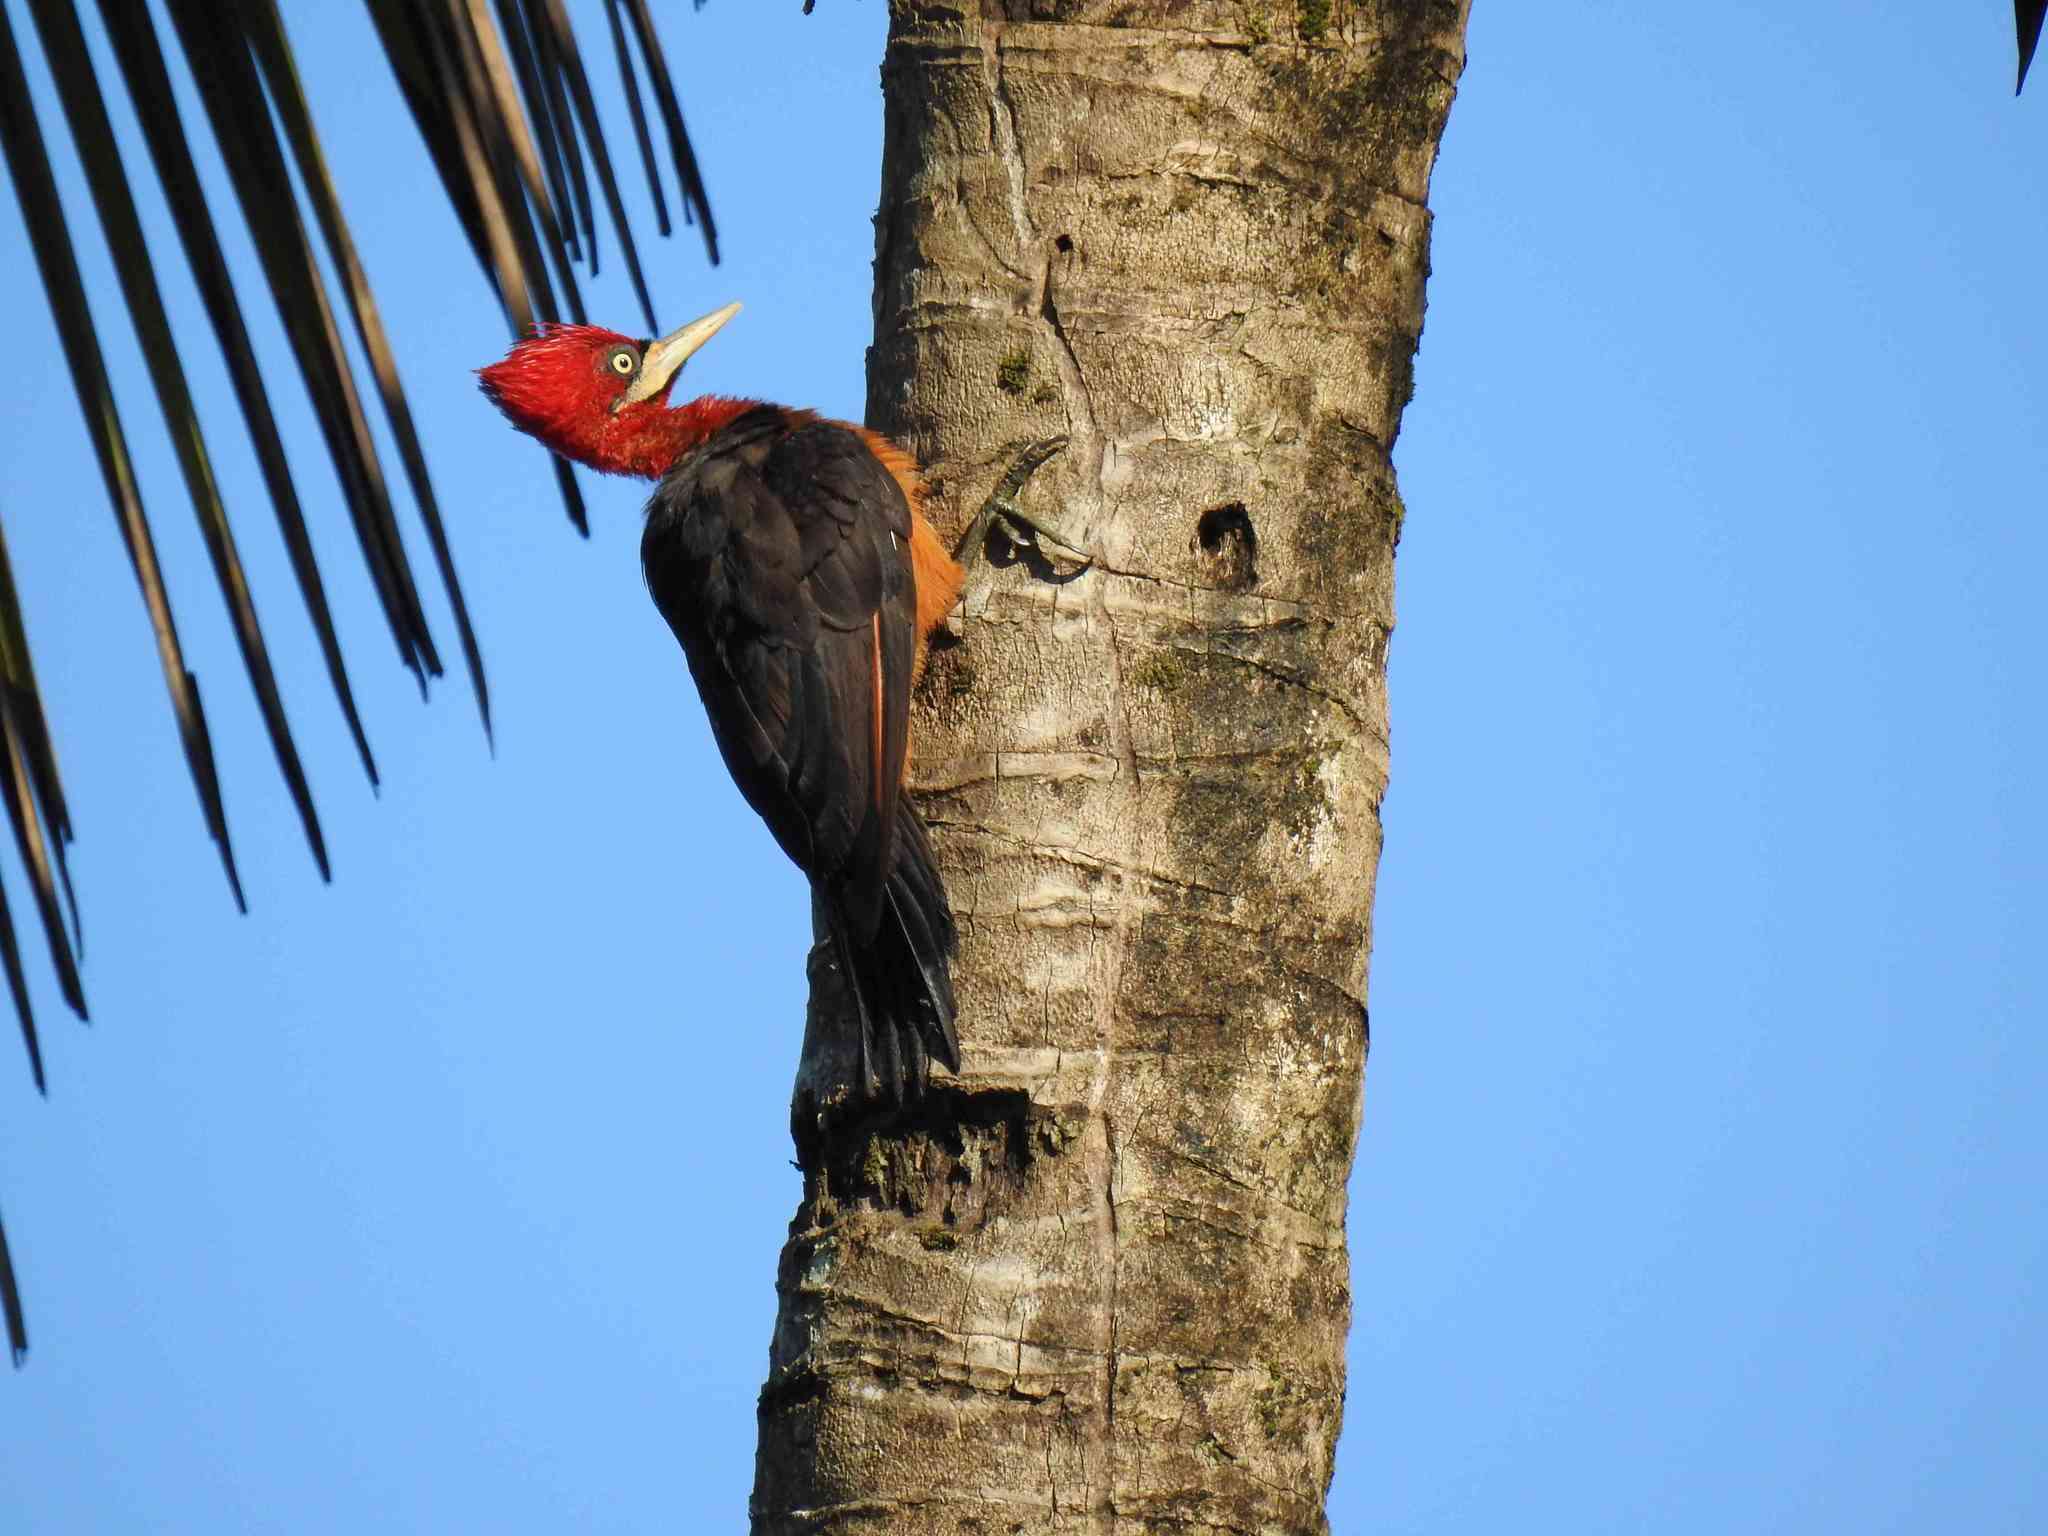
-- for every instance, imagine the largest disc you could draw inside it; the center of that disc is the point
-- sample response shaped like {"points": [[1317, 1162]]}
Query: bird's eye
{"points": [[623, 362]]}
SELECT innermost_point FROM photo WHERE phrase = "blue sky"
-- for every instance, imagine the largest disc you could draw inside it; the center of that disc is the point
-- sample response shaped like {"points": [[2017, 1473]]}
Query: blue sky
{"points": [[1699, 1186]]}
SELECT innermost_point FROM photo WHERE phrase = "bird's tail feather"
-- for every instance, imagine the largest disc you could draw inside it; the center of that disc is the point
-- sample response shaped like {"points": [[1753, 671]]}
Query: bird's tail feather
{"points": [[903, 987]]}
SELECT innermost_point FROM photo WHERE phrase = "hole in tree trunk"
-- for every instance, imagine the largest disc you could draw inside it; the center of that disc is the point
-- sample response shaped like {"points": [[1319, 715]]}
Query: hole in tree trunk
{"points": [[1229, 545]]}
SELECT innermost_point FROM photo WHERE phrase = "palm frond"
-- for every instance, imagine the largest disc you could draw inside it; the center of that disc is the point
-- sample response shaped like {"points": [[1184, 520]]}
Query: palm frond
{"points": [[232, 94], [2027, 17], [149, 87], [78, 89], [274, 54], [21, 141], [505, 112]]}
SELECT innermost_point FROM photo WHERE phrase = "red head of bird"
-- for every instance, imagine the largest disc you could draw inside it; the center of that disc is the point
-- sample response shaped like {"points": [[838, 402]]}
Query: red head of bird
{"points": [[601, 399]]}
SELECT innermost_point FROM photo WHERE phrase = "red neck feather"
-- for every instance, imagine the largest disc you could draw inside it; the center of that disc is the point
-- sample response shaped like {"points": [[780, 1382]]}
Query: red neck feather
{"points": [[646, 441]]}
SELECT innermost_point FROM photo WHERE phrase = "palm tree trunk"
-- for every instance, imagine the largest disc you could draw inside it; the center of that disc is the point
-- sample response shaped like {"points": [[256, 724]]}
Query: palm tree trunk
{"points": [[1102, 1283]]}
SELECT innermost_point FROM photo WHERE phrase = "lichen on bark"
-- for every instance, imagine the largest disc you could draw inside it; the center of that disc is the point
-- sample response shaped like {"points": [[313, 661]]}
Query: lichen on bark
{"points": [[1100, 1282]]}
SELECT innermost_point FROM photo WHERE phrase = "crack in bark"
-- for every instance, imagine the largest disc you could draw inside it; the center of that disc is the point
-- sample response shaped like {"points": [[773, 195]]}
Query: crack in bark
{"points": [[1095, 863], [1003, 132], [882, 1312], [1222, 603], [1052, 1479], [1209, 589], [1071, 373], [1106, 1507], [1040, 767], [1108, 1236], [1282, 675]]}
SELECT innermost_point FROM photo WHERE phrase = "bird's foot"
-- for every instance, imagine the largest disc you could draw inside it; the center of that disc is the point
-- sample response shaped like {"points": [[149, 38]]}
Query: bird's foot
{"points": [[1027, 533], [1020, 531]]}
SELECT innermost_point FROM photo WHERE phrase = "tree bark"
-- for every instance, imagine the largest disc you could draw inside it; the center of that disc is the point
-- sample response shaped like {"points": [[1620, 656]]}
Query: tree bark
{"points": [[1101, 1282]]}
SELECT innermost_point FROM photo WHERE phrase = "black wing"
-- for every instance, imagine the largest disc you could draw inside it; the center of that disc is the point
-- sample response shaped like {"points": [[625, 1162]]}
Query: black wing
{"points": [[779, 554]]}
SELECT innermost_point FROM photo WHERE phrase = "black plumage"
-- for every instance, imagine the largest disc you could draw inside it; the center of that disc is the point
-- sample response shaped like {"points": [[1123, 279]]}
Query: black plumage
{"points": [[779, 552]]}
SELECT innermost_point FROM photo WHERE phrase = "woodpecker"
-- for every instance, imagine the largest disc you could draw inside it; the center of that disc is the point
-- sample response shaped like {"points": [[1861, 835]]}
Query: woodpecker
{"points": [[792, 557]]}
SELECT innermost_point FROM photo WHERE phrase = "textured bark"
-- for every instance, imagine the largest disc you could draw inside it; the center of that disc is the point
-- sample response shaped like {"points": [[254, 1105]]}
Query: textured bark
{"points": [[1101, 1283]]}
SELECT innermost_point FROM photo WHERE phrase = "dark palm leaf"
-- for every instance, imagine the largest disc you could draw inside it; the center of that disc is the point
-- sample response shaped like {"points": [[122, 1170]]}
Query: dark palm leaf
{"points": [[546, 18], [233, 96], [273, 50], [629, 88], [10, 1303], [21, 140], [552, 84], [541, 103], [42, 823], [504, 109], [695, 203], [2027, 17], [78, 88], [149, 86], [17, 987]]}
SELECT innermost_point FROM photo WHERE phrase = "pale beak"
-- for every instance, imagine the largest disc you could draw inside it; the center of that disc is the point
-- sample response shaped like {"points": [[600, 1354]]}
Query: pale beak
{"points": [[665, 358]]}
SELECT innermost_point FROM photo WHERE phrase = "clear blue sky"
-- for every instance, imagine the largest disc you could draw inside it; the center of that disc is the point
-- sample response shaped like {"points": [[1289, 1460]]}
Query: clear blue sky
{"points": [[1700, 1188]]}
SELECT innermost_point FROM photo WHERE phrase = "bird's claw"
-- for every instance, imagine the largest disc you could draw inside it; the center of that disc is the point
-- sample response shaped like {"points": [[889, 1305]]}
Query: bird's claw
{"points": [[1019, 527], [1023, 530], [1025, 467]]}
